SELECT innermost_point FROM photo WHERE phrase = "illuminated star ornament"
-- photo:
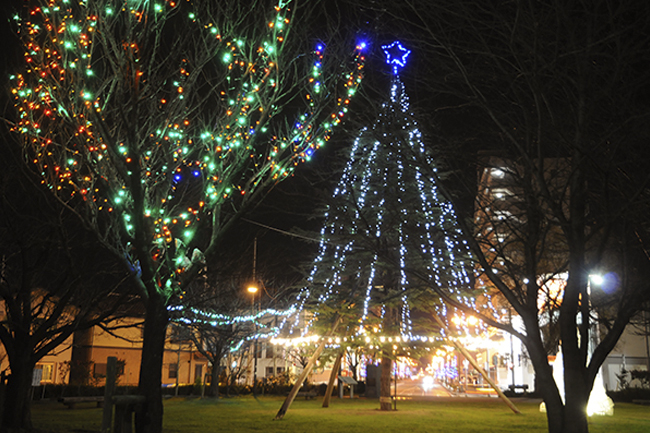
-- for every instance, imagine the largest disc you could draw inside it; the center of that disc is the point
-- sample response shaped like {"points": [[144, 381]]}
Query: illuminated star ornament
{"points": [[396, 55]]}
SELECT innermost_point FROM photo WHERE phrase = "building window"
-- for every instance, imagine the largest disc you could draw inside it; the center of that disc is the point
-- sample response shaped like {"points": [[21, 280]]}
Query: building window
{"points": [[100, 370], [501, 193], [47, 372], [280, 370], [269, 371], [173, 371], [269, 351]]}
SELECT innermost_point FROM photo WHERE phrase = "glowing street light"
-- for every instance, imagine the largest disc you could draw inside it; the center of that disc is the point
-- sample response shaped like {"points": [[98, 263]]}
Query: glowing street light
{"points": [[597, 279], [252, 289]]}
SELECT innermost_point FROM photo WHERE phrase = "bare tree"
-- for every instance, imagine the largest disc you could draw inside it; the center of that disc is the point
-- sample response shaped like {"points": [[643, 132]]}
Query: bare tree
{"points": [[548, 86], [161, 124], [50, 281], [218, 318]]}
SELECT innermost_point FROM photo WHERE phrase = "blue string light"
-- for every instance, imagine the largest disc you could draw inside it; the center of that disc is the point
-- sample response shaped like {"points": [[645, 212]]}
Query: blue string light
{"points": [[396, 55]]}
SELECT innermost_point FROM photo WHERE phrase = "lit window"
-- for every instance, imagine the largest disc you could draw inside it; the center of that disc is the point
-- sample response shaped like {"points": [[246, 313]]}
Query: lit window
{"points": [[48, 369], [48, 372], [497, 172], [502, 215], [501, 193]]}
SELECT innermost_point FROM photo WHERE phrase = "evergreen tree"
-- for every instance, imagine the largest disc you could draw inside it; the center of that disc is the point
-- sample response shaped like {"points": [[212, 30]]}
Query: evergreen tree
{"points": [[387, 220]]}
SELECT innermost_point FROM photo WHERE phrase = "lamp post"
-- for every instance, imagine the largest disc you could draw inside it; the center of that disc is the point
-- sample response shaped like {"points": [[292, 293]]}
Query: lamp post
{"points": [[594, 339], [512, 351], [252, 289], [647, 344]]}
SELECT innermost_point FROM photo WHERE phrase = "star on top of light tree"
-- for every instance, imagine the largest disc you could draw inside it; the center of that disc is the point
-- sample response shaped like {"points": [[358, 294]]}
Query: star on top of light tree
{"points": [[396, 55]]}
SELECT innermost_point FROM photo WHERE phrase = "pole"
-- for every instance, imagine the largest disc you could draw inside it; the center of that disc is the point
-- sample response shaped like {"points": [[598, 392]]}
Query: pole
{"points": [[512, 351], [478, 368], [310, 365], [254, 258], [109, 390], [255, 365], [178, 364], [254, 323], [340, 383], [647, 346], [395, 394]]}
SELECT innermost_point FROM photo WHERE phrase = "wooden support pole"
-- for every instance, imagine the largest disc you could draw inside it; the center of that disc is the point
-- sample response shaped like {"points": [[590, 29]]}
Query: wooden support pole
{"points": [[333, 376], [305, 372], [482, 372], [478, 368]]}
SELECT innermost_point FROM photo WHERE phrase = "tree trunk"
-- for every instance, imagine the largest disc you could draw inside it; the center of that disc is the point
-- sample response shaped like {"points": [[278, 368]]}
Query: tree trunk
{"points": [[214, 385], [149, 417], [575, 402], [384, 389], [554, 406], [546, 386], [17, 416], [575, 418]]}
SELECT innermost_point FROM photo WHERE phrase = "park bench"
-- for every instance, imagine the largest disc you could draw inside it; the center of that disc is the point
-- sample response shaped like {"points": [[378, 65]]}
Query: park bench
{"points": [[71, 402], [307, 394]]}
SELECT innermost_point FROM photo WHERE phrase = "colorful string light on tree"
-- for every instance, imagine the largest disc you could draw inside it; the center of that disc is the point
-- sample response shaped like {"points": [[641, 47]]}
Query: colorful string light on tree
{"points": [[126, 121]]}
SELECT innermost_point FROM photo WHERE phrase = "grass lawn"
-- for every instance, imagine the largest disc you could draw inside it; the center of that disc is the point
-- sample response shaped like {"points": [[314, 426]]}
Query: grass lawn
{"points": [[245, 414]]}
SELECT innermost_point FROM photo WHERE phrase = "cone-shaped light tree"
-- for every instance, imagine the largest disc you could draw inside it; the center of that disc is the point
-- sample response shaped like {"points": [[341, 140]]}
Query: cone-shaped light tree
{"points": [[386, 220], [160, 122]]}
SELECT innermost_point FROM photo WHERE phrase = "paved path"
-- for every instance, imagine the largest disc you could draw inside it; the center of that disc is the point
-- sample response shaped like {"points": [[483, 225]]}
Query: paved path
{"points": [[420, 388]]}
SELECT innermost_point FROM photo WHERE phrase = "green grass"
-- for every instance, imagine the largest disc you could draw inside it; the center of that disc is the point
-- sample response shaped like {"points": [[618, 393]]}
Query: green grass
{"points": [[245, 414]]}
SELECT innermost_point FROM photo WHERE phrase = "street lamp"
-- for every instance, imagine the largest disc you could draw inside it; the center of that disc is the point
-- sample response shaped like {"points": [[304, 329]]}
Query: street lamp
{"points": [[599, 403], [252, 289], [597, 279]]}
